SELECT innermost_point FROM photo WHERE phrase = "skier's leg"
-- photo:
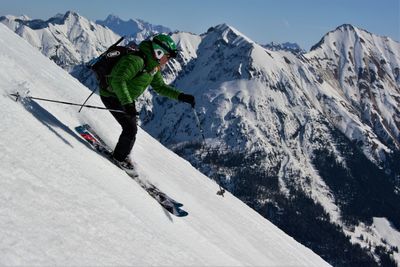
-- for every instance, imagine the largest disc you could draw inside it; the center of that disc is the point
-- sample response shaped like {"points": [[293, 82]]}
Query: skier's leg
{"points": [[129, 128]]}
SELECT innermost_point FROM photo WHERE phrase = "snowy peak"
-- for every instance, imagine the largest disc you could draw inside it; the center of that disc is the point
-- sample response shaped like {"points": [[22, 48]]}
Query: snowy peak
{"points": [[119, 26], [347, 39], [345, 28], [350, 35], [216, 47], [360, 49], [363, 69], [37, 24], [68, 39], [228, 34], [13, 22], [113, 19], [72, 17], [135, 29], [287, 46], [227, 54]]}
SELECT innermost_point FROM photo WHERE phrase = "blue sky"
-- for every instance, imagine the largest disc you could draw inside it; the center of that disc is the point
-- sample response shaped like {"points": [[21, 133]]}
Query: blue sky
{"points": [[301, 21]]}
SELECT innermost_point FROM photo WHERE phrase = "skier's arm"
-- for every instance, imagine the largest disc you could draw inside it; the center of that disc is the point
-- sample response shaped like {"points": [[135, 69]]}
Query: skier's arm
{"points": [[127, 68], [162, 88]]}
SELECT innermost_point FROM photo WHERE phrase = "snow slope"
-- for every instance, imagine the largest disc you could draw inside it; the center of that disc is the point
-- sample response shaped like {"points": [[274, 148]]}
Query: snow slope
{"points": [[62, 204]]}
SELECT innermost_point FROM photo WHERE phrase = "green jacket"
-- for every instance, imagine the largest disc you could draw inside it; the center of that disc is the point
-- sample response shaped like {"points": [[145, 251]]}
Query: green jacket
{"points": [[129, 78]]}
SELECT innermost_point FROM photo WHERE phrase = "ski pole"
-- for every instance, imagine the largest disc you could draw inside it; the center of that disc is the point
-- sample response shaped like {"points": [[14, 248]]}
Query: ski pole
{"points": [[83, 104], [18, 96], [221, 191]]}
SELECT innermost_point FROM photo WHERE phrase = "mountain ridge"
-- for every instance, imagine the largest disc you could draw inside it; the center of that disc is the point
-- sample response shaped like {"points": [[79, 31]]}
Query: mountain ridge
{"points": [[134, 29], [69, 39]]}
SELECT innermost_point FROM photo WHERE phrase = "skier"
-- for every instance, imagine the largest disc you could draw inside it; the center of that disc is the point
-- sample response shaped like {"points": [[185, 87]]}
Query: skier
{"points": [[131, 75]]}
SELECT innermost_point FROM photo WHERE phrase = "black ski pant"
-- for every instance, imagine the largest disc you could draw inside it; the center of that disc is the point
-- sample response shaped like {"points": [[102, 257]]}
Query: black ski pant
{"points": [[128, 123]]}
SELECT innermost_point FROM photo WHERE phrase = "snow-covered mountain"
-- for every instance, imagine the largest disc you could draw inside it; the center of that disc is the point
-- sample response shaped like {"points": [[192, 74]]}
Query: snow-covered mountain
{"points": [[310, 141], [68, 40], [364, 70], [63, 204], [287, 46], [72, 41], [286, 135], [134, 29]]}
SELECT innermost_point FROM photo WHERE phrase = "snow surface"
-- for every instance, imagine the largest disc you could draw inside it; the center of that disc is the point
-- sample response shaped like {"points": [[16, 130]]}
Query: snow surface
{"points": [[63, 204], [382, 227], [380, 232]]}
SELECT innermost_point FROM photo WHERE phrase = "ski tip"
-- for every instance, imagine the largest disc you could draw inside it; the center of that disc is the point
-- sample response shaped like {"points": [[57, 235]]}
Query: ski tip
{"points": [[182, 213]]}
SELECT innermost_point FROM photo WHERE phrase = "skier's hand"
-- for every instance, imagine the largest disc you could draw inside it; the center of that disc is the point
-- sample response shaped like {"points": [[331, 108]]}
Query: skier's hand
{"points": [[187, 98], [130, 109]]}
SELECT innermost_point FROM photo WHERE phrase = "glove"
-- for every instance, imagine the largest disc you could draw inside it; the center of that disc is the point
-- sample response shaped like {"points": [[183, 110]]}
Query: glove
{"points": [[130, 109], [187, 98]]}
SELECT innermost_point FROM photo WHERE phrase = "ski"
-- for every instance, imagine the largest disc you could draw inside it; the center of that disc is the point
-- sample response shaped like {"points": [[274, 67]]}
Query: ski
{"points": [[98, 145], [87, 133]]}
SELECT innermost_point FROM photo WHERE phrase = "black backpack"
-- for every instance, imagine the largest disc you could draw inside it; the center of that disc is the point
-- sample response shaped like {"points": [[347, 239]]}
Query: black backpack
{"points": [[103, 65]]}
